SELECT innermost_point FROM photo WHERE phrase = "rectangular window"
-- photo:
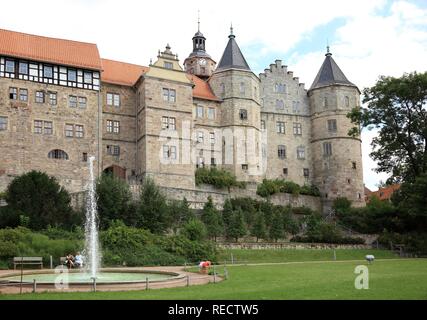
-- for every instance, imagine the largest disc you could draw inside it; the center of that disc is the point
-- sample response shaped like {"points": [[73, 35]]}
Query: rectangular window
{"points": [[172, 125], [211, 113], [165, 123], [280, 105], [212, 137], [306, 172], [109, 99], [113, 150], [72, 75], [88, 77], [213, 162], [109, 126], [47, 127], [53, 99], [281, 152], [242, 88], [301, 152], [3, 123], [72, 101], [332, 125], [23, 95], [297, 128], [262, 124], [168, 65], [82, 102], [244, 167], [79, 131], [172, 152], [48, 72], [243, 113], [169, 95], [200, 137], [116, 126], [84, 157], [23, 67], [327, 149], [39, 96], [285, 171], [199, 112], [165, 152], [116, 100], [38, 126], [34, 70], [10, 66], [280, 127], [354, 165], [69, 130], [13, 93]]}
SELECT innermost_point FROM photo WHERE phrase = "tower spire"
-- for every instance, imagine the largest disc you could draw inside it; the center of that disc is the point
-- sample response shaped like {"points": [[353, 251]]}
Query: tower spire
{"points": [[198, 20], [328, 51], [231, 31]]}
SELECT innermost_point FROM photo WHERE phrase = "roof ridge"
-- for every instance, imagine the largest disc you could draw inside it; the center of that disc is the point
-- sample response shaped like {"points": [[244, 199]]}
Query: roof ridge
{"points": [[133, 64], [46, 37]]}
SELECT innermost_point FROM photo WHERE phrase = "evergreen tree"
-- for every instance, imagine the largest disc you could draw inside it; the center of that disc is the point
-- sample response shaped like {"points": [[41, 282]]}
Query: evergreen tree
{"points": [[194, 230], [237, 227], [153, 212], [212, 219], [259, 230], [276, 228], [227, 213], [114, 198]]}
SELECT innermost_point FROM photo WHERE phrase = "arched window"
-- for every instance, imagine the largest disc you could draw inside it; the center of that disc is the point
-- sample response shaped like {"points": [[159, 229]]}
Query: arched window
{"points": [[347, 101], [222, 88], [325, 101], [58, 154]]}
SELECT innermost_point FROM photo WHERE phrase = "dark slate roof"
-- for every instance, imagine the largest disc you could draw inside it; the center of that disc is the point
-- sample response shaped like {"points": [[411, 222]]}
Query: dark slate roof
{"points": [[330, 74], [232, 56]]}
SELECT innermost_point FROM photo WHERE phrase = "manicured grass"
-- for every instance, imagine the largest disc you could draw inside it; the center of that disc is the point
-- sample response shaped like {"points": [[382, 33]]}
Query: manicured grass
{"points": [[388, 279], [289, 255]]}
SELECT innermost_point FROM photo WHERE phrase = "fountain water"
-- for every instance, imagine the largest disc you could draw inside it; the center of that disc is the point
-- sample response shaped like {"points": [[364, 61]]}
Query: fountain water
{"points": [[91, 226]]}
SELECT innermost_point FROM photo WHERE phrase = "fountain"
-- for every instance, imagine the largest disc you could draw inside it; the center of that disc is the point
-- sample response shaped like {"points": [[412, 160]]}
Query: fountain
{"points": [[91, 226], [122, 279]]}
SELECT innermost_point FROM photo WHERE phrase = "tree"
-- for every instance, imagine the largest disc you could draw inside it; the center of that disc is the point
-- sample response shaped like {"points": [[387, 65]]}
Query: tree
{"points": [[40, 198], [397, 108], [237, 227], [276, 228], [114, 199], [259, 230], [152, 211], [212, 219], [227, 211], [179, 213], [194, 230]]}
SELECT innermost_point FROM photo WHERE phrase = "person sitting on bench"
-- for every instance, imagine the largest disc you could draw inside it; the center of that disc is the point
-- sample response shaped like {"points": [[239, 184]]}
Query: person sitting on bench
{"points": [[69, 261], [78, 260]]}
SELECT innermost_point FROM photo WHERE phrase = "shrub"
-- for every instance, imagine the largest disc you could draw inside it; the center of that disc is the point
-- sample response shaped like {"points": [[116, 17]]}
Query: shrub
{"points": [[194, 230], [270, 187], [219, 178]]}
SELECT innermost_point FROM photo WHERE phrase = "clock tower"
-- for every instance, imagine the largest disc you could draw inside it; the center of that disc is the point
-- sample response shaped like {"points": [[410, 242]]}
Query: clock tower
{"points": [[199, 62]]}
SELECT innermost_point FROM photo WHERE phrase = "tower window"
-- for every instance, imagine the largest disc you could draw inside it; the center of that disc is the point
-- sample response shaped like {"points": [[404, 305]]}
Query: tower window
{"points": [[262, 124], [301, 152], [222, 89], [297, 128], [280, 104], [347, 101], [242, 88], [354, 165], [325, 102], [327, 149], [306, 172], [169, 95], [332, 125], [281, 152], [168, 65], [280, 127], [243, 113]]}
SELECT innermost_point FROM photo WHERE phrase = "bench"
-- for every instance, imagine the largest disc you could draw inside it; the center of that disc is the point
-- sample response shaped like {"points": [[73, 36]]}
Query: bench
{"points": [[27, 261]]}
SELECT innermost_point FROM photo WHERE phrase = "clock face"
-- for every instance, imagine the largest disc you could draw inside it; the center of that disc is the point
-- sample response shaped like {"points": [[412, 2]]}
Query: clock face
{"points": [[202, 62]]}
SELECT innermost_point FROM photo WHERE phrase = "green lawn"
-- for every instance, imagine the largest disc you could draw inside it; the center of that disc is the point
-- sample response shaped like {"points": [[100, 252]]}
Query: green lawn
{"points": [[290, 255], [388, 279]]}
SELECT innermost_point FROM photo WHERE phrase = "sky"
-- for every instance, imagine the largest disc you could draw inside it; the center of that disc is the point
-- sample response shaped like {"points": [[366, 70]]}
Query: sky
{"points": [[368, 38]]}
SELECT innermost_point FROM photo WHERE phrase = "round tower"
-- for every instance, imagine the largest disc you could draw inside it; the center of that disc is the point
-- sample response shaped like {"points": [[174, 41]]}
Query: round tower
{"points": [[199, 62], [337, 157]]}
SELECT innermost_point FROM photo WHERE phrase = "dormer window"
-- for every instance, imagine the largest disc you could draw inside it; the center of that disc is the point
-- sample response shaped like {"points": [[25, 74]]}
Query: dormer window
{"points": [[168, 65]]}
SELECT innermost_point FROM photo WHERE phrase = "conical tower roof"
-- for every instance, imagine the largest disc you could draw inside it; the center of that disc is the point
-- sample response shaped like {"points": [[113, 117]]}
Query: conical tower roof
{"points": [[330, 74], [232, 56]]}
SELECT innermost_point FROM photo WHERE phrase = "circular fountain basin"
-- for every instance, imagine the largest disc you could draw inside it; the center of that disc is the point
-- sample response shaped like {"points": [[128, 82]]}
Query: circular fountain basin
{"points": [[103, 277]]}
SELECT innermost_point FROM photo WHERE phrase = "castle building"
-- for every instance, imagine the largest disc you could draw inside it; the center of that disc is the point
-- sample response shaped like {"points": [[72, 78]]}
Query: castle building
{"points": [[60, 103]]}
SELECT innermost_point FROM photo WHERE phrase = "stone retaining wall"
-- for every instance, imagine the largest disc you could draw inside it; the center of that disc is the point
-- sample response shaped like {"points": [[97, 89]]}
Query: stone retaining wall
{"points": [[291, 245]]}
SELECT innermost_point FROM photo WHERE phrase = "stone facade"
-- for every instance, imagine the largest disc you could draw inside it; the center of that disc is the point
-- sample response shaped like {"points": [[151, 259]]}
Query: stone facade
{"points": [[161, 124]]}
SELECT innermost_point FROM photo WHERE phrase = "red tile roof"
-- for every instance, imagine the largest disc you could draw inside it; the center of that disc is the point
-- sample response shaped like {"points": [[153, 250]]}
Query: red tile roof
{"points": [[53, 50], [202, 89], [122, 73], [385, 193]]}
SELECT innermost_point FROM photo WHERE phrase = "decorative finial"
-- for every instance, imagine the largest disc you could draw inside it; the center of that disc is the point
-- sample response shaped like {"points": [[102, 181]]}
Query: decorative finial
{"points": [[328, 51], [151, 61], [198, 20], [231, 31]]}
